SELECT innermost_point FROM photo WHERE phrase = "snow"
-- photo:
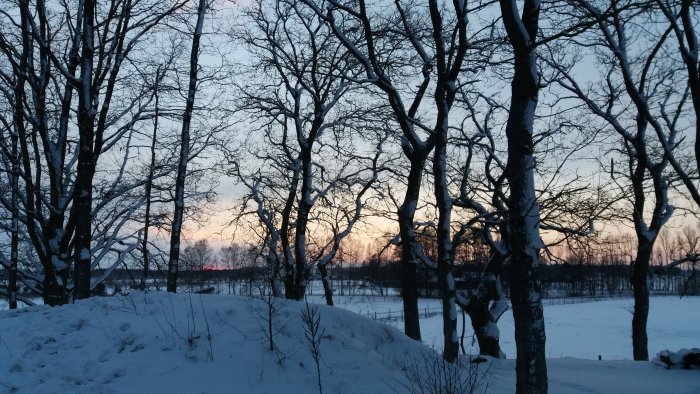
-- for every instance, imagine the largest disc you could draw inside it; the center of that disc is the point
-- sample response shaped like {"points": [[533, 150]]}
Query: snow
{"points": [[161, 342], [582, 330], [684, 358]]}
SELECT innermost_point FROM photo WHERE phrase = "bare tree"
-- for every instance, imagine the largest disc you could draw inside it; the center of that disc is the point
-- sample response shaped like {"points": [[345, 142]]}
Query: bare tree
{"points": [[639, 98], [523, 215], [665, 243], [84, 57], [377, 65], [437, 37], [310, 115], [14, 158], [568, 208], [195, 259], [681, 16], [148, 188], [179, 210], [483, 193]]}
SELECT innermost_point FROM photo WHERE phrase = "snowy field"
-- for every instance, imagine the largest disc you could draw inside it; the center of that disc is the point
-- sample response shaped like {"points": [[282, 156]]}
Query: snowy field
{"points": [[158, 342], [581, 330]]}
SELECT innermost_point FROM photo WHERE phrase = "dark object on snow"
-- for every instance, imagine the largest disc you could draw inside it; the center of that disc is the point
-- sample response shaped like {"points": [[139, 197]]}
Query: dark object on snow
{"points": [[691, 360], [478, 360], [208, 290], [684, 358], [100, 290]]}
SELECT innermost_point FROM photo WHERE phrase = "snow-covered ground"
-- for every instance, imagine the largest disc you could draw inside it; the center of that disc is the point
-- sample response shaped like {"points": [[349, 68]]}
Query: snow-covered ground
{"points": [[158, 342], [581, 330]]}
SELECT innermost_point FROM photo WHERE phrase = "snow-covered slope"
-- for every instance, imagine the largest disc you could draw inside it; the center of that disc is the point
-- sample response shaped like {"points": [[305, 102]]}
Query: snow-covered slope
{"points": [[159, 342]]}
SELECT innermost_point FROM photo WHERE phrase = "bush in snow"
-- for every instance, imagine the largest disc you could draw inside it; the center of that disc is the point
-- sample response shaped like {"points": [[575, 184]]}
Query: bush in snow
{"points": [[684, 358], [431, 374]]}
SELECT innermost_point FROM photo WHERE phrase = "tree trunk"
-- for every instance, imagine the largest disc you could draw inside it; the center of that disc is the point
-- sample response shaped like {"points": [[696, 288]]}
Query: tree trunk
{"points": [[409, 259], [14, 242], [276, 282], [45, 221], [528, 317], [483, 315], [149, 186], [82, 200], [15, 159], [691, 61], [446, 281], [174, 257], [289, 289], [303, 211], [55, 292], [640, 285], [327, 290], [523, 220], [697, 137], [646, 235]]}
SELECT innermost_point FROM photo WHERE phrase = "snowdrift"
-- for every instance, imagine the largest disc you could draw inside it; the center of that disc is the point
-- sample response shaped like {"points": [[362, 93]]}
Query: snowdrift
{"points": [[160, 342]]}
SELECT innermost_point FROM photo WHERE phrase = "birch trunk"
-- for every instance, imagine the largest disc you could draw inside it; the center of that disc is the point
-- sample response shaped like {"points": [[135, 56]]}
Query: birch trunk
{"points": [[174, 257]]}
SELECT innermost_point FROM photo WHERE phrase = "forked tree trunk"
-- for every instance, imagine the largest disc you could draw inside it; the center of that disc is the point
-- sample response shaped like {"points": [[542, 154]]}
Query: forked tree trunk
{"points": [[483, 314], [174, 257], [646, 235]]}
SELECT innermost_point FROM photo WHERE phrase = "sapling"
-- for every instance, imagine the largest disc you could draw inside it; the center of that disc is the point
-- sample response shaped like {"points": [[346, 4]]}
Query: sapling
{"points": [[313, 332]]}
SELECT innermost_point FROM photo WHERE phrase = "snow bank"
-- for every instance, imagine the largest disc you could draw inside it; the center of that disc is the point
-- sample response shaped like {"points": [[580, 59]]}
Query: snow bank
{"points": [[160, 342]]}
